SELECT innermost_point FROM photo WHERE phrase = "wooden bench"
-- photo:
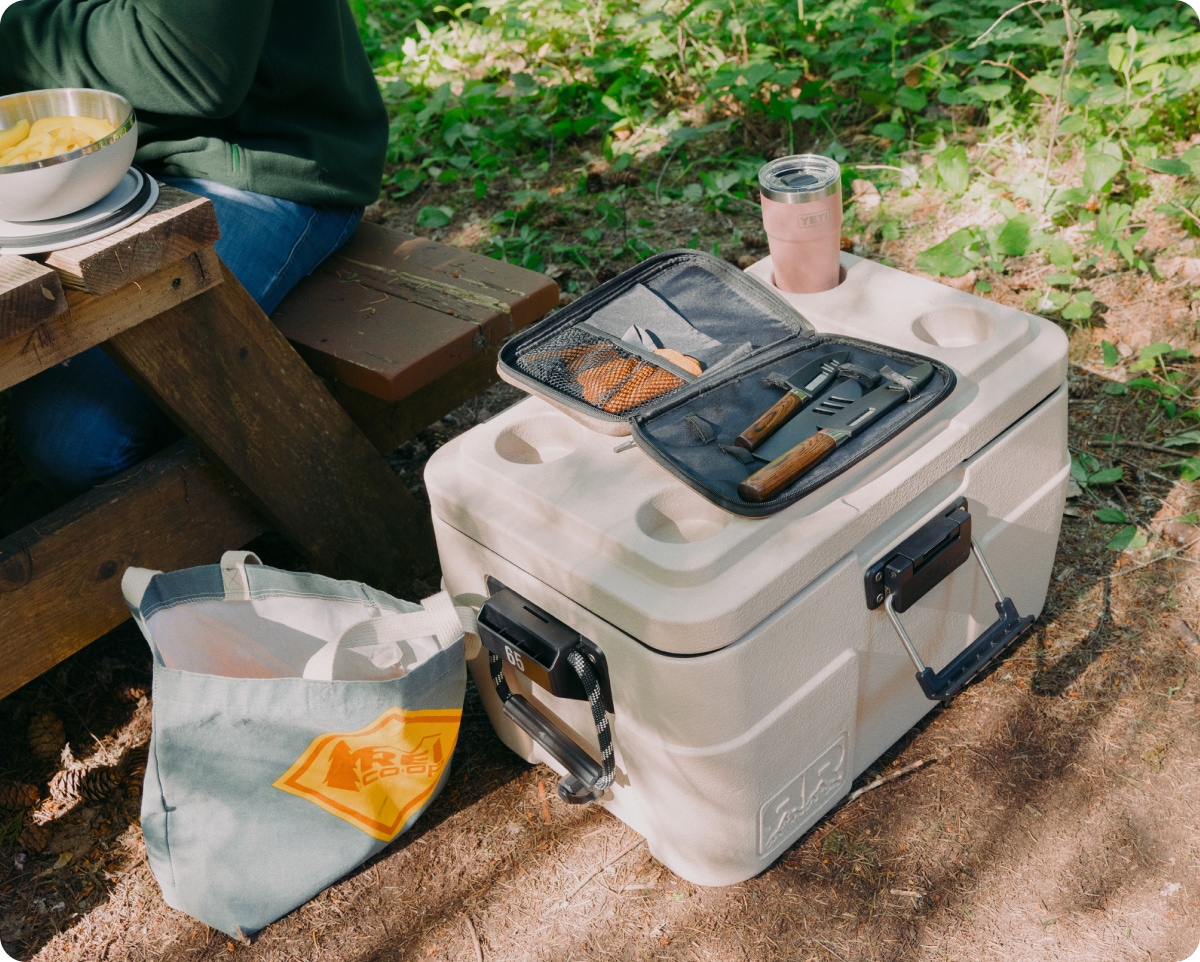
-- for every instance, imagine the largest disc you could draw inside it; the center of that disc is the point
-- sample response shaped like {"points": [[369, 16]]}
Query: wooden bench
{"points": [[402, 331], [405, 329]]}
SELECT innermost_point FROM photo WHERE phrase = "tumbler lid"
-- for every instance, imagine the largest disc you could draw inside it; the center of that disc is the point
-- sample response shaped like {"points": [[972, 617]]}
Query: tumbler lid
{"points": [[800, 178]]}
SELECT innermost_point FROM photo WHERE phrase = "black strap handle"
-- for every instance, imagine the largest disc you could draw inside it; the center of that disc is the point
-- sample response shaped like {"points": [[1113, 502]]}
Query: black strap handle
{"points": [[945, 684], [914, 567], [586, 780]]}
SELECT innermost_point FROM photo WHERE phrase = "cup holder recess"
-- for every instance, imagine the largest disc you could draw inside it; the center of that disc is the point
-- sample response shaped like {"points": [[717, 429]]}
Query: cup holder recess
{"points": [[680, 517], [959, 326], [538, 440]]}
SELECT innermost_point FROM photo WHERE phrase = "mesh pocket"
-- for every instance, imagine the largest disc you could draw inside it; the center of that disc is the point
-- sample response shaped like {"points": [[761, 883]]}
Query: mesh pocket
{"points": [[587, 368]]}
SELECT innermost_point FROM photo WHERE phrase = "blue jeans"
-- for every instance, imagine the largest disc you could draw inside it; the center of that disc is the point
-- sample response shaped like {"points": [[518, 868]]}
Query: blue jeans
{"points": [[83, 421]]}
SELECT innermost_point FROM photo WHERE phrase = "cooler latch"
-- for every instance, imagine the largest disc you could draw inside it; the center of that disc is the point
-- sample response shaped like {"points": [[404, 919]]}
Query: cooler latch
{"points": [[551, 654], [918, 564]]}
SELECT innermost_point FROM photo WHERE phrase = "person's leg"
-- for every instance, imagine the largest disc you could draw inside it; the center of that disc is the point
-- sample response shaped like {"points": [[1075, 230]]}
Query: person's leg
{"points": [[80, 423], [269, 244], [83, 421]]}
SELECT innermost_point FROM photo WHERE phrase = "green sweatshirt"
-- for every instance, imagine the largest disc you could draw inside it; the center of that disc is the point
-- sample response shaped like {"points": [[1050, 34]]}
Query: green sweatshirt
{"points": [[272, 96]]}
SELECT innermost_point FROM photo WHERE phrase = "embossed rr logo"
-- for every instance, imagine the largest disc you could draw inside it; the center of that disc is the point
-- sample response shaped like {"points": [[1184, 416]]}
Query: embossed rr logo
{"points": [[803, 799]]}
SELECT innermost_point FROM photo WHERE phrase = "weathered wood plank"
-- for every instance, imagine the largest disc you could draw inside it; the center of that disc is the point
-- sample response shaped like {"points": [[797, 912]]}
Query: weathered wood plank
{"points": [[390, 313], [178, 224], [93, 319], [379, 344], [60, 578], [29, 294], [388, 425], [467, 278], [233, 382]]}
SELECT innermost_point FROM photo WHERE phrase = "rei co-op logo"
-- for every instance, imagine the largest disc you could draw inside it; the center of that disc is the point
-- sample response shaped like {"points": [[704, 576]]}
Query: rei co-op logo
{"points": [[377, 777], [814, 219]]}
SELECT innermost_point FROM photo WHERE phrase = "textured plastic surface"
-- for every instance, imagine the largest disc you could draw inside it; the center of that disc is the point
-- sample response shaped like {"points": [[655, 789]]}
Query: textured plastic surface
{"points": [[793, 687]]}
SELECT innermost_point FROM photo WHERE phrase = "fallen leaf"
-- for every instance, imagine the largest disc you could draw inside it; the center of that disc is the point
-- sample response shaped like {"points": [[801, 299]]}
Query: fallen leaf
{"points": [[865, 194], [1185, 268], [1178, 533], [964, 283]]}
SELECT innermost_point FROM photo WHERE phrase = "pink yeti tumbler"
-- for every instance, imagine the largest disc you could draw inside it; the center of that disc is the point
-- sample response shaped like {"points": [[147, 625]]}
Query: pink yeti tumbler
{"points": [[802, 215]]}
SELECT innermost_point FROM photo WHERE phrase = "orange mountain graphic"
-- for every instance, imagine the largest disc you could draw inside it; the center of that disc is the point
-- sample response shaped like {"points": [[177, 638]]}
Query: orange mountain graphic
{"points": [[377, 777]]}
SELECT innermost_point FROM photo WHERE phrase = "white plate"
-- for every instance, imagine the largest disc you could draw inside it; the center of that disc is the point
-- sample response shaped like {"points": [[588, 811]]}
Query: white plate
{"points": [[125, 203]]}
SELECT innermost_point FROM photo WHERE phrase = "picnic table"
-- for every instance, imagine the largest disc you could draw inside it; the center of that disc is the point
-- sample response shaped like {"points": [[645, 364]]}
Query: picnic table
{"points": [[267, 447]]}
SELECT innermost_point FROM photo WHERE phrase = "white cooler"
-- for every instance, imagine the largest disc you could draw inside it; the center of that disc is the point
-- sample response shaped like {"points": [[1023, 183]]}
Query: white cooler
{"points": [[748, 669]]}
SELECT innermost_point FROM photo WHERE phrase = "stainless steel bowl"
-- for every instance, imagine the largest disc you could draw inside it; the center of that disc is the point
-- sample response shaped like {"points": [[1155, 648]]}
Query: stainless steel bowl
{"points": [[63, 184]]}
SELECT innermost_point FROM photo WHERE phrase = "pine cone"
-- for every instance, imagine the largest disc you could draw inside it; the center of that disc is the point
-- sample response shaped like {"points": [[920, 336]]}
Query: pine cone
{"points": [[131, 693], [46, 736], [34, 838], [626, 177], [100, 784], [134, 764], [66, 785], [754, 240], [595, 183], [17, 795]]}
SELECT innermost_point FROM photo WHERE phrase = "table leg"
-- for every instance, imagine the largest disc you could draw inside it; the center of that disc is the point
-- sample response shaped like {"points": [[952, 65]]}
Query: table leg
{"points": [[229, 378], [60, 577]]}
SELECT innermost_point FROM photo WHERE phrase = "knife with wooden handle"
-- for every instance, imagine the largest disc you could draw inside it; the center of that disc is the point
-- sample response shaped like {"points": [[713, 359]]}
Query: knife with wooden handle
{"points": [[803, 385], [793, 464]]}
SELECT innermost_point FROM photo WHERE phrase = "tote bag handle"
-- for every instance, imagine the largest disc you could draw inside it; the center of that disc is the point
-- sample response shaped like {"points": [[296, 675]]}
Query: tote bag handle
{"points": [[135, 581], [439, 617]]}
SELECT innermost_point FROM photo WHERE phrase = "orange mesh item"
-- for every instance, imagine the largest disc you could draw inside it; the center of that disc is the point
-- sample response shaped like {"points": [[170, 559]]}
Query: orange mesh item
{"points": [[597, 372], [600, 383], [646, 383]]}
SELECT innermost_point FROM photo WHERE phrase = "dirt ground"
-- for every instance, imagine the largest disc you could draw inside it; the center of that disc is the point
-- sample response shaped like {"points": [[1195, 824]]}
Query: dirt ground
{"points": [[1055, 816]]}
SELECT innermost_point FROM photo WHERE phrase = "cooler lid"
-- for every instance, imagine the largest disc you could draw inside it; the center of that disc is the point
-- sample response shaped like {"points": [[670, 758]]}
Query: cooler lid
{"points": [[600, 522]]}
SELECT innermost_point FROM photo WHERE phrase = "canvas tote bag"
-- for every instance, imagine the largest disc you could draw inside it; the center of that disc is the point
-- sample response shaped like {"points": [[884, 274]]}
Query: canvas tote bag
{"points": [[300, 724]]}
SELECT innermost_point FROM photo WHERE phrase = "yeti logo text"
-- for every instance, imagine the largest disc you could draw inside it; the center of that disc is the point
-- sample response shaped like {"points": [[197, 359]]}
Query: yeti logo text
{"points": [[815, 219], [379, 777], [803, 798]]}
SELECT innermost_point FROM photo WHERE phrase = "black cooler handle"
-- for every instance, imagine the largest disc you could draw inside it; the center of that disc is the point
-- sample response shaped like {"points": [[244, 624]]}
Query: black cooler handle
{"points": [[921, 562], [545, 650]]}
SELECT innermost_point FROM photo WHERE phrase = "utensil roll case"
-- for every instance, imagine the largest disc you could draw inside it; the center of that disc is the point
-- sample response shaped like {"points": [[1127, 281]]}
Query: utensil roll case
{"points": [[713, 659]]}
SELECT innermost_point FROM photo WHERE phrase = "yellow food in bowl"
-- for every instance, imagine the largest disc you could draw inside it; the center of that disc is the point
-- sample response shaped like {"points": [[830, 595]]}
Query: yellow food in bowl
{"points": [[24, 142]]}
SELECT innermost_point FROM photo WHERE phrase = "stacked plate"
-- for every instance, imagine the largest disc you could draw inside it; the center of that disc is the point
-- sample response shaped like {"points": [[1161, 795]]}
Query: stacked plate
{"points": [[125, 203]]}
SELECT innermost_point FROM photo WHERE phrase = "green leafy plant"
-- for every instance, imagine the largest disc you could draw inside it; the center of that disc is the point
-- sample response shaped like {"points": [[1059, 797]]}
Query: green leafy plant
{"points": [[1160, 378], [1129, 538], [491, 96], [1087, 472], [1111, 230]]}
